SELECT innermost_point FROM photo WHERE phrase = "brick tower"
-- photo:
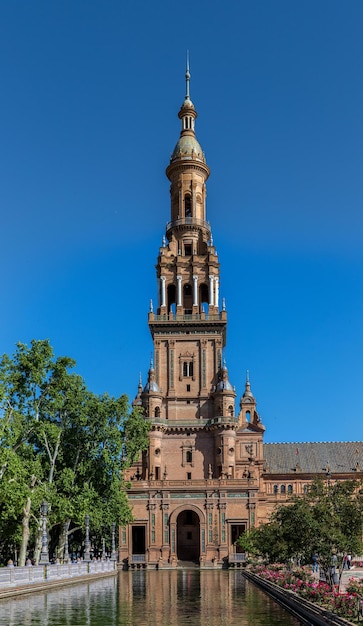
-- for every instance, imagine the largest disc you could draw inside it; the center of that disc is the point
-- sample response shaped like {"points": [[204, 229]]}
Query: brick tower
{"points": [[195, 489]]}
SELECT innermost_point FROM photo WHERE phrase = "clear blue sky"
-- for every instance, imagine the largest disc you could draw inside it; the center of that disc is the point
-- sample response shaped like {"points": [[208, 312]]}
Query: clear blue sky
{"points": [[90, 93]]}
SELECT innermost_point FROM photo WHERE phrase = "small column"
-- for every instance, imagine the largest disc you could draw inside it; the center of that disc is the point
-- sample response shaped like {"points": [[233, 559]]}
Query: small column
{"points": [[195, 290], [211, 294], [163, 279], [216, 282], [179, 279]]}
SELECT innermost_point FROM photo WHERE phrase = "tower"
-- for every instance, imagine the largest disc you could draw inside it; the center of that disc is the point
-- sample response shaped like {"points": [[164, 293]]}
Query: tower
{"points": [[195, 489]]}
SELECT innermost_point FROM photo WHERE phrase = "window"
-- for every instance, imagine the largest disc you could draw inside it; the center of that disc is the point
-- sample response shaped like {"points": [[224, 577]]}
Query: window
{"points": [[157, 473], [188, 205], [157, 411], [283, 489], [188, 387], [187, 249], [189, 476], [276, 489], [189, 456], [188, 370], [289, 489]]}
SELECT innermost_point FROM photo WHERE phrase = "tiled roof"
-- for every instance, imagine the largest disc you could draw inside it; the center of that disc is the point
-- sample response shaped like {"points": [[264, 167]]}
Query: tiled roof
{"points": [[312, 458]]}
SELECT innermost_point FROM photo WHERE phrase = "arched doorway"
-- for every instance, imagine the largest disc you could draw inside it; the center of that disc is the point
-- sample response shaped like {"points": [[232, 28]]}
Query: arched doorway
{"points": [[188, 536]]}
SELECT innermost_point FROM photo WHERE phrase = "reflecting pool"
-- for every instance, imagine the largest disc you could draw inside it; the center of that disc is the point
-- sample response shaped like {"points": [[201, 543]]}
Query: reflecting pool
{"points": [[152, 598]]}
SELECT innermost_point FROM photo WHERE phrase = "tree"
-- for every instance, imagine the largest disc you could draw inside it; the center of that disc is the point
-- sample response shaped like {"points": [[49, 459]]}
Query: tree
{"points": [[62, 443], [326, 521]]}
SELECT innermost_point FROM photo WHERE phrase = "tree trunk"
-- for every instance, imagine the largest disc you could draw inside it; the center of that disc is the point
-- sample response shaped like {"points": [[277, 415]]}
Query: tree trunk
{"points": [[25, 533], [62, 542], [38, 544]]}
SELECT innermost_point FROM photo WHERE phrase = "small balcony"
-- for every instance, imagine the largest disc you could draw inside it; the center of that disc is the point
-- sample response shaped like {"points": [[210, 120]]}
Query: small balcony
{"points": [[188, 223]]}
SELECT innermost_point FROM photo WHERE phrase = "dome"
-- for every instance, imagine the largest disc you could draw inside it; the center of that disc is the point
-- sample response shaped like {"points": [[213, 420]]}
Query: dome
{"points": [[187, 104], [151, 386], [188, 147], [224, 385]]}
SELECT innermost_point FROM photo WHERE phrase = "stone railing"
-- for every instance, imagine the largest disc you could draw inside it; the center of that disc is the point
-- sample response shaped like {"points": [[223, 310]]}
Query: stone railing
{"points": [[38, 574]]}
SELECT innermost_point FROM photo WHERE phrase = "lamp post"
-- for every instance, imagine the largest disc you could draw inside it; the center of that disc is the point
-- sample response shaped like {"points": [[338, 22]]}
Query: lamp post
{"points": [[113, 547], [44, 555], [103, 549], [87, 555]]}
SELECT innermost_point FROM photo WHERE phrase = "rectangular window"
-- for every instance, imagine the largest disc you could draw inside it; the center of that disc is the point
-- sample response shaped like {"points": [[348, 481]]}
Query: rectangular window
{"points": [[153, 536], [157, 473], [173, 540], [188, 387], [189, 475], [187, 249], [171, 370], [204, 375]]}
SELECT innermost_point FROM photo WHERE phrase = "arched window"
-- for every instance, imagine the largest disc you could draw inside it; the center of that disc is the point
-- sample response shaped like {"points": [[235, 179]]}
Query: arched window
{"points": [[305, 488], [230, 410], [248, 416], [188, 205], [289, 489], [171, 293], [188, 299], [276, 489], [157, 411], [283, 489]]}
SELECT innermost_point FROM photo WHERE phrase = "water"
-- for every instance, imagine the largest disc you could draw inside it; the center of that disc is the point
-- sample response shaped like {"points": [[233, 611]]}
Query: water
{"points": [[150, 598]]}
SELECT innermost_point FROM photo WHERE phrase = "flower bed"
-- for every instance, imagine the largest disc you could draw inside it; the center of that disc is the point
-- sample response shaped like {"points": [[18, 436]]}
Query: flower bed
{"points": [[347, 605]]}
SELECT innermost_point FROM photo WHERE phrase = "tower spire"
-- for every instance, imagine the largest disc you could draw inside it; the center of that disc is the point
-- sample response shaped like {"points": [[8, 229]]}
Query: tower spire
{"points": [[187, 79]]}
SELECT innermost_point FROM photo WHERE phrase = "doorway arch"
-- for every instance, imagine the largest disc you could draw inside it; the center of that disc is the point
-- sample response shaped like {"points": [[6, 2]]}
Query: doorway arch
{"points": [[188, 536]]}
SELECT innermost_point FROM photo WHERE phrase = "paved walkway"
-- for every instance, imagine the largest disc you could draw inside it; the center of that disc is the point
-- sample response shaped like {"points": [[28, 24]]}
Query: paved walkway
{"points": [[353, 572]]}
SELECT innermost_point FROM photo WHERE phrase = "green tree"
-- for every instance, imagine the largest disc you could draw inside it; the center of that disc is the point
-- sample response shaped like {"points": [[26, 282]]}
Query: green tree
{"points": [[62, 443], [326, 521]]}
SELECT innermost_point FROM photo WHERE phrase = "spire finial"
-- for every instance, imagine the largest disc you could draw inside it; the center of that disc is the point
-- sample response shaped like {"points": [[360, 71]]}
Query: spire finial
{"points": [[247, 377], [187, 78]]}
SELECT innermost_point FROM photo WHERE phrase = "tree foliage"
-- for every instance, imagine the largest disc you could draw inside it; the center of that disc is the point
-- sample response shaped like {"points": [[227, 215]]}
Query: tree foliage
{"points": [[61, 443], [326, 521]]}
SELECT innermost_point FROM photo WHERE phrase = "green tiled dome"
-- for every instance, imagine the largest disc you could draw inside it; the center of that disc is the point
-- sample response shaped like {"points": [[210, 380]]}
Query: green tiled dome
{"points": [[188, 147]]}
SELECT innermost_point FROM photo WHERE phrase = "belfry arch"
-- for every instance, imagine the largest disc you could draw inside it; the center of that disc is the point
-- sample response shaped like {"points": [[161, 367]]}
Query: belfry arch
{"points": [[187, 532]]}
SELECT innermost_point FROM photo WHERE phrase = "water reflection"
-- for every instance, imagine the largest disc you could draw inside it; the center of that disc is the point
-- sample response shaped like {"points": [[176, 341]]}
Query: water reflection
{"points": [[150, 598], [195, 598]]}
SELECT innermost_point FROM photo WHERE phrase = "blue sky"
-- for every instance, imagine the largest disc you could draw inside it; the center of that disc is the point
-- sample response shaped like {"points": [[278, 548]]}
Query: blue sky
{"points": [[88, 116]]}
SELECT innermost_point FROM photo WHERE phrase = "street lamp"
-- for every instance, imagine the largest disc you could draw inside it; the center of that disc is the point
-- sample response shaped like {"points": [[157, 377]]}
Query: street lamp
{"points": [[103, 549], [113, 547], [44, 555], [87, 555]]}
